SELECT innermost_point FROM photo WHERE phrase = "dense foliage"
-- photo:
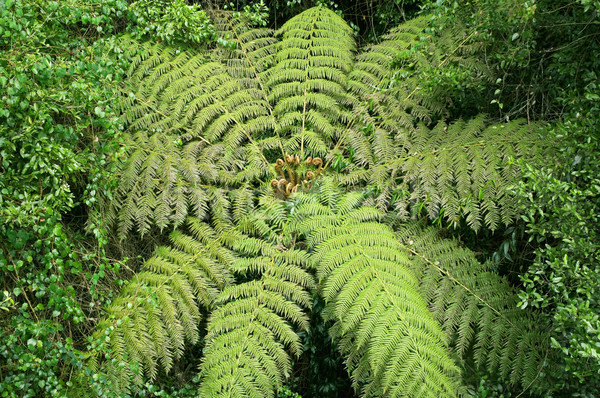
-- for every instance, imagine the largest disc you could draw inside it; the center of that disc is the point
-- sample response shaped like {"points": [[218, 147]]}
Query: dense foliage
{"points": [[58, 133], [194, 203]]}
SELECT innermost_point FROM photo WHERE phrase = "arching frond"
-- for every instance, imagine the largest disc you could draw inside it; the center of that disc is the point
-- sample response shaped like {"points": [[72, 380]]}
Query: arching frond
{"points": [[253, 49], [161, 183], [465, 170], [393, 345], [452, 172], [308, 81], [394, 75], [477, 308], [254, 323], [147, 325]]}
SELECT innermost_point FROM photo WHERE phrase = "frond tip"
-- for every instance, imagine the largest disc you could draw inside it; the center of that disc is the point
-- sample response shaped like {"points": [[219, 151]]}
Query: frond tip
{"points": [[147, 325], [248, 332], [393, 345]]}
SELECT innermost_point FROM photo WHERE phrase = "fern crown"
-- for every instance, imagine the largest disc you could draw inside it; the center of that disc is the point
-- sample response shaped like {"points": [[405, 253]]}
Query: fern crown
{"points": [[221, 151]]}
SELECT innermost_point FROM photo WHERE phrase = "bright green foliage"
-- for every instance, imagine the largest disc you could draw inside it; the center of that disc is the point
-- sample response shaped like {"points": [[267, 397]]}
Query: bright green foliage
{"points": [[252, 50], [461, 171], [172, 21], [387, 295], [158, 310], [393, 346], [452, 172], [248, 329], [252, 325]]}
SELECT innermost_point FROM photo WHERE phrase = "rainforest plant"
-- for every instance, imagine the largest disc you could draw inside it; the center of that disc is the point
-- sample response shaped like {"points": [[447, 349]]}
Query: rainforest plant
{"points": [[292, 164]]}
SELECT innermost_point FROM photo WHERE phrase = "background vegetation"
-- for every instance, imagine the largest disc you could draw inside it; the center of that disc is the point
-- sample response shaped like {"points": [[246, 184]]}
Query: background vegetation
{"points": [[64, 139]]}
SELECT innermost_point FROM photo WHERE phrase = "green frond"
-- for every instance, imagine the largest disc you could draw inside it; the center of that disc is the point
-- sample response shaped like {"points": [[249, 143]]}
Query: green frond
{"points": [[182, 114], [393, 345], [159, 180], [461, 170], [254, 322], [452, 172], [147, 325], [477, 308], [393, 74], [307, 83], [254, 48]]}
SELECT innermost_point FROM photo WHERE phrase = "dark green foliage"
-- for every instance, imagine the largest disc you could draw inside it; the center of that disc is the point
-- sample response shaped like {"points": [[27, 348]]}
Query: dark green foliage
{"points": [[320, 371], [542, 52], [561, 214]]}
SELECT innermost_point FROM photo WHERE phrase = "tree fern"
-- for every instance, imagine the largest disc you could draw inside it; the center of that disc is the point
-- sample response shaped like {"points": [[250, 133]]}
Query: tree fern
{"points": [[161, 183], [225, 136]]}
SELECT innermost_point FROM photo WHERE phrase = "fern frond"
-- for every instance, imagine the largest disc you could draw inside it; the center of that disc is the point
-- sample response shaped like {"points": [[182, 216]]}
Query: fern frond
{"points": [[251, 327], [454, 172], [393, 74], [307, 84], [159, 180], [477, 308], [191, 124], [158, 311], [393, 345], [462, 169], [253, 52]]}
